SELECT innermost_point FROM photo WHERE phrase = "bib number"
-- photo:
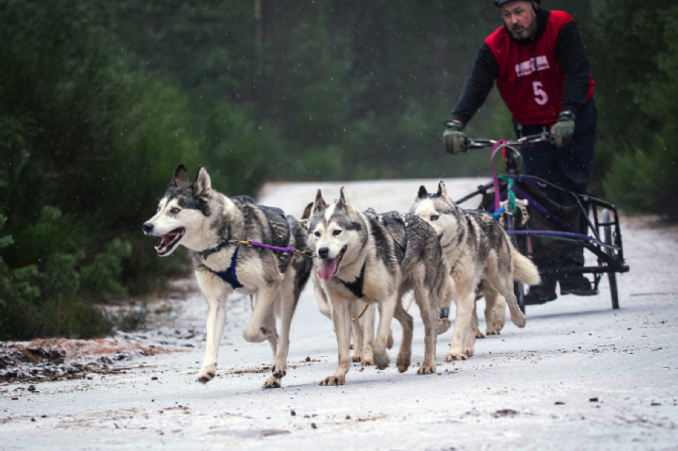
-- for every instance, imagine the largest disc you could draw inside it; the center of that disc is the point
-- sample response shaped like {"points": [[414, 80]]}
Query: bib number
{"points": [[540, 95]]}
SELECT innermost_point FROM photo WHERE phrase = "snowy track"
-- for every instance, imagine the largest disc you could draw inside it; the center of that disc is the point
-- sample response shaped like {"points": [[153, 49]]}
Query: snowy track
{"points": [[579, 376]]}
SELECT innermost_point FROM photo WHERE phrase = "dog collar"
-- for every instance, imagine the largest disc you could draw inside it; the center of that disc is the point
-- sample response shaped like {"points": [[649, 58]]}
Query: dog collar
{"points": [[205, 254], [356, 287]]}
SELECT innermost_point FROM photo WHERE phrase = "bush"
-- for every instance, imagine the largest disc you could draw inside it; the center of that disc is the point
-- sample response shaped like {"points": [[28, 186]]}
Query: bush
{"points": [[87, 149]]}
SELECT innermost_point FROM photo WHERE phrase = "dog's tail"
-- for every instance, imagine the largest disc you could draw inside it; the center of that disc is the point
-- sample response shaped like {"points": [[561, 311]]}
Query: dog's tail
{"points": [[523, 269]]}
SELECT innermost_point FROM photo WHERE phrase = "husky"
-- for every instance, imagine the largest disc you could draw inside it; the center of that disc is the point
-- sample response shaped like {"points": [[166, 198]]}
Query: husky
{"points": [[362, 315], [476, 249], [376, 258], [209, 224]]}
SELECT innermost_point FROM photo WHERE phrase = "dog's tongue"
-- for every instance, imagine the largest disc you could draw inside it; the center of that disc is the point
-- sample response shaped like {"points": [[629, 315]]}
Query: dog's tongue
{"points": [[329, 268]]}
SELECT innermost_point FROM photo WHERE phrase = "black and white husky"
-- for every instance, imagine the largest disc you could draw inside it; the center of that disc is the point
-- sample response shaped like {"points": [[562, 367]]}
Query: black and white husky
{"points": [[207, 223], [476, 248], [377, 258]]}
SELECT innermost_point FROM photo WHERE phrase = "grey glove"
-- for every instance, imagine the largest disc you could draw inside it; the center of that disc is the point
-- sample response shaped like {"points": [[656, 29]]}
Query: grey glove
{"points": [[454, 138], [563, 129]]}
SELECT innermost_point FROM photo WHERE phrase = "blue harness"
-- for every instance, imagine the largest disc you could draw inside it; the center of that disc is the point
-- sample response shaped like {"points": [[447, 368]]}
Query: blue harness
{"points": [[228, 275]]}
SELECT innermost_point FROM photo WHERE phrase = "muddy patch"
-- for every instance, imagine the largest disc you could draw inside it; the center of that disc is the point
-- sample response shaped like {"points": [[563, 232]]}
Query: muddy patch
{"points": [[57, 359]]}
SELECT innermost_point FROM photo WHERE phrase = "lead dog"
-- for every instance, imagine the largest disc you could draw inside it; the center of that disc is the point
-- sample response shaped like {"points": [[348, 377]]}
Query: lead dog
{"points": [[377, 258], [206, 222], [476, 248]]}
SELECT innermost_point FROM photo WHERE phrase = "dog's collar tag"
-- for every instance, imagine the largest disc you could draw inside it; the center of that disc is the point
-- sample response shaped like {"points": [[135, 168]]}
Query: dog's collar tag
{"points": [[356, 287]]}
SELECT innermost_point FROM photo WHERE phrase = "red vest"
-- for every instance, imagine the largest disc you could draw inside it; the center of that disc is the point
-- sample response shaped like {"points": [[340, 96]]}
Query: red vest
{"points": [[530, 80]]}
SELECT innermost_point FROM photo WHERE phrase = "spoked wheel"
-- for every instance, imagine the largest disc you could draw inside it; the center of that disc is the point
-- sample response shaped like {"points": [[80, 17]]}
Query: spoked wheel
{"points": [[612, 276]]}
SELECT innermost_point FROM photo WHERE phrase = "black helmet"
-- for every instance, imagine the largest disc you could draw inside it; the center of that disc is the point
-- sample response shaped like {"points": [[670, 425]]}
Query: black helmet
{"points": [[501, 2]]}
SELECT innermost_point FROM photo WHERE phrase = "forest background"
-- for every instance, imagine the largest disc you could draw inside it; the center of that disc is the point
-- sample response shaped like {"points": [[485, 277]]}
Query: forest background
{"points": [[101, 100]]}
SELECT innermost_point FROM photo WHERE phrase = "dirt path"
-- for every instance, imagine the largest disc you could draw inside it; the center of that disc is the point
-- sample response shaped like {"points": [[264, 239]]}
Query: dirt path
{"points": [[579, 376]]}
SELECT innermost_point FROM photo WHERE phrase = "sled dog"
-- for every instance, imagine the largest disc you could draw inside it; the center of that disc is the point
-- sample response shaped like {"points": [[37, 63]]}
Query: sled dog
{"points": [[362, 315], [207, 223], [476, 248], [376, 258]]}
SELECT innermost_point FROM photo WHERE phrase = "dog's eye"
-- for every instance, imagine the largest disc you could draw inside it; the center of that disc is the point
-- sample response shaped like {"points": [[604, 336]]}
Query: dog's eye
{"points": [[435, 217], [175, 211], [336, 233], [317, 234]]}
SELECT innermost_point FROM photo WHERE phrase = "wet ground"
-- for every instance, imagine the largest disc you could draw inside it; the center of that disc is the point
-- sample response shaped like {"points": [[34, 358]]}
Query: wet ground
{"points": [[579, 376]]}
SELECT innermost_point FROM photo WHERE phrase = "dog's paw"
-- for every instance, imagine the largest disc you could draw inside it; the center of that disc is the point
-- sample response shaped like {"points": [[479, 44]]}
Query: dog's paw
{"points": [[381, 360], [333, 380], [403, 363], [206, 375], [278, 371], [489, 331], [451, 357], [368, 362], [518, 319], [443, 325], [272, 382], [356, 358], [427, 368], [468, 351], [479, 334]]}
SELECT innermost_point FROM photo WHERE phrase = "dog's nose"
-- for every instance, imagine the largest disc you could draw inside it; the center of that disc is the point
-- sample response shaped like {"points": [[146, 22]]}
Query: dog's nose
{"points": [[323, 252], [148, 227]]}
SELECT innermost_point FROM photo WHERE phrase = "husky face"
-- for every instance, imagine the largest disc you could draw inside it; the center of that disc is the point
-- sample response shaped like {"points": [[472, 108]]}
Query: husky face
{"points": [[335, 234], [182, 212], [439, 211]]}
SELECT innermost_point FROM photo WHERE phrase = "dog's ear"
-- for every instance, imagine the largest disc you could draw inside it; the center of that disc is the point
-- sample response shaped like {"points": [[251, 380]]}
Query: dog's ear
{"points": [[343, 202], [318, 205], [180, 176], [442, 190], [422, 192], [442, 194], [202, 183], [307, 211]]}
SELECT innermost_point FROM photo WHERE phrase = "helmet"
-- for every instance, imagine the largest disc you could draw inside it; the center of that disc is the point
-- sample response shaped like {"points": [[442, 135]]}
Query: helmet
{"points": [[501, 2]]}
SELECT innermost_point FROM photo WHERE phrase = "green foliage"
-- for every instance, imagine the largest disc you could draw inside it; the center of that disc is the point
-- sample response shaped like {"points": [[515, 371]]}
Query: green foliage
{"points": [[81, 139], [101, 101], [640, 101], [243, 153]]}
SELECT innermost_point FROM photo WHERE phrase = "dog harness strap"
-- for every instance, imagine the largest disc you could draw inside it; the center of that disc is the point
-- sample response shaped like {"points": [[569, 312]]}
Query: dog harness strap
{"points": [[229, 276], [220, 246], [356, 287], [289, 235]]}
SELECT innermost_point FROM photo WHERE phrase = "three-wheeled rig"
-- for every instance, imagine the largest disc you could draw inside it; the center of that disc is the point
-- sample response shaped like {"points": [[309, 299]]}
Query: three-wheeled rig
{"points": [[537, 225]]}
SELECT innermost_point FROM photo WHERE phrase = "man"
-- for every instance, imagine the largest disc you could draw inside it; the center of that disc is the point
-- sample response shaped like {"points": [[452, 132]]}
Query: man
{"points": [[539, 64]]}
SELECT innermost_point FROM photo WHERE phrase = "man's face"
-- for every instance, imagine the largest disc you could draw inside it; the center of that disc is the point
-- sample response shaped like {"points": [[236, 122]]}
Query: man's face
{"points": [[520, 19]]}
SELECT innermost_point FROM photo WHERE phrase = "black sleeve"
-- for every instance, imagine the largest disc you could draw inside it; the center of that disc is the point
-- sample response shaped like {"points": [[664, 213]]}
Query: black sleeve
{"points": [[574, 63], [477, 86]]}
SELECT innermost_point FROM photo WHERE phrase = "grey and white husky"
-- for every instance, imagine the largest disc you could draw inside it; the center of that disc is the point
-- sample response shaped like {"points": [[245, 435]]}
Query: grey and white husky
{"points": [[363, 315], [376, 258], [207, 223], [476, 248]]}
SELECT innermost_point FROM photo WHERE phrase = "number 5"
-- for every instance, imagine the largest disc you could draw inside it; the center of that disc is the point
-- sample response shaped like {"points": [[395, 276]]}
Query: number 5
{"points": [[540, 95]]}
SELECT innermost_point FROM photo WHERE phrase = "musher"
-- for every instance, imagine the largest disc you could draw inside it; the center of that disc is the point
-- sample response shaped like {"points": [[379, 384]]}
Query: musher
{"points": [[539, 64]]}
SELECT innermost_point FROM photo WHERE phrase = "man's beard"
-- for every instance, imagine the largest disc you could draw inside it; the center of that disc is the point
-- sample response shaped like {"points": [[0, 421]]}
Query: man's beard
{"points": [[527, 32]]}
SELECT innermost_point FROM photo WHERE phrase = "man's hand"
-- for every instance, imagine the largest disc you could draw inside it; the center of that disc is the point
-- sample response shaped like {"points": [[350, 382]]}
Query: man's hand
{"points": [[454, 138], [563, 129]]}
